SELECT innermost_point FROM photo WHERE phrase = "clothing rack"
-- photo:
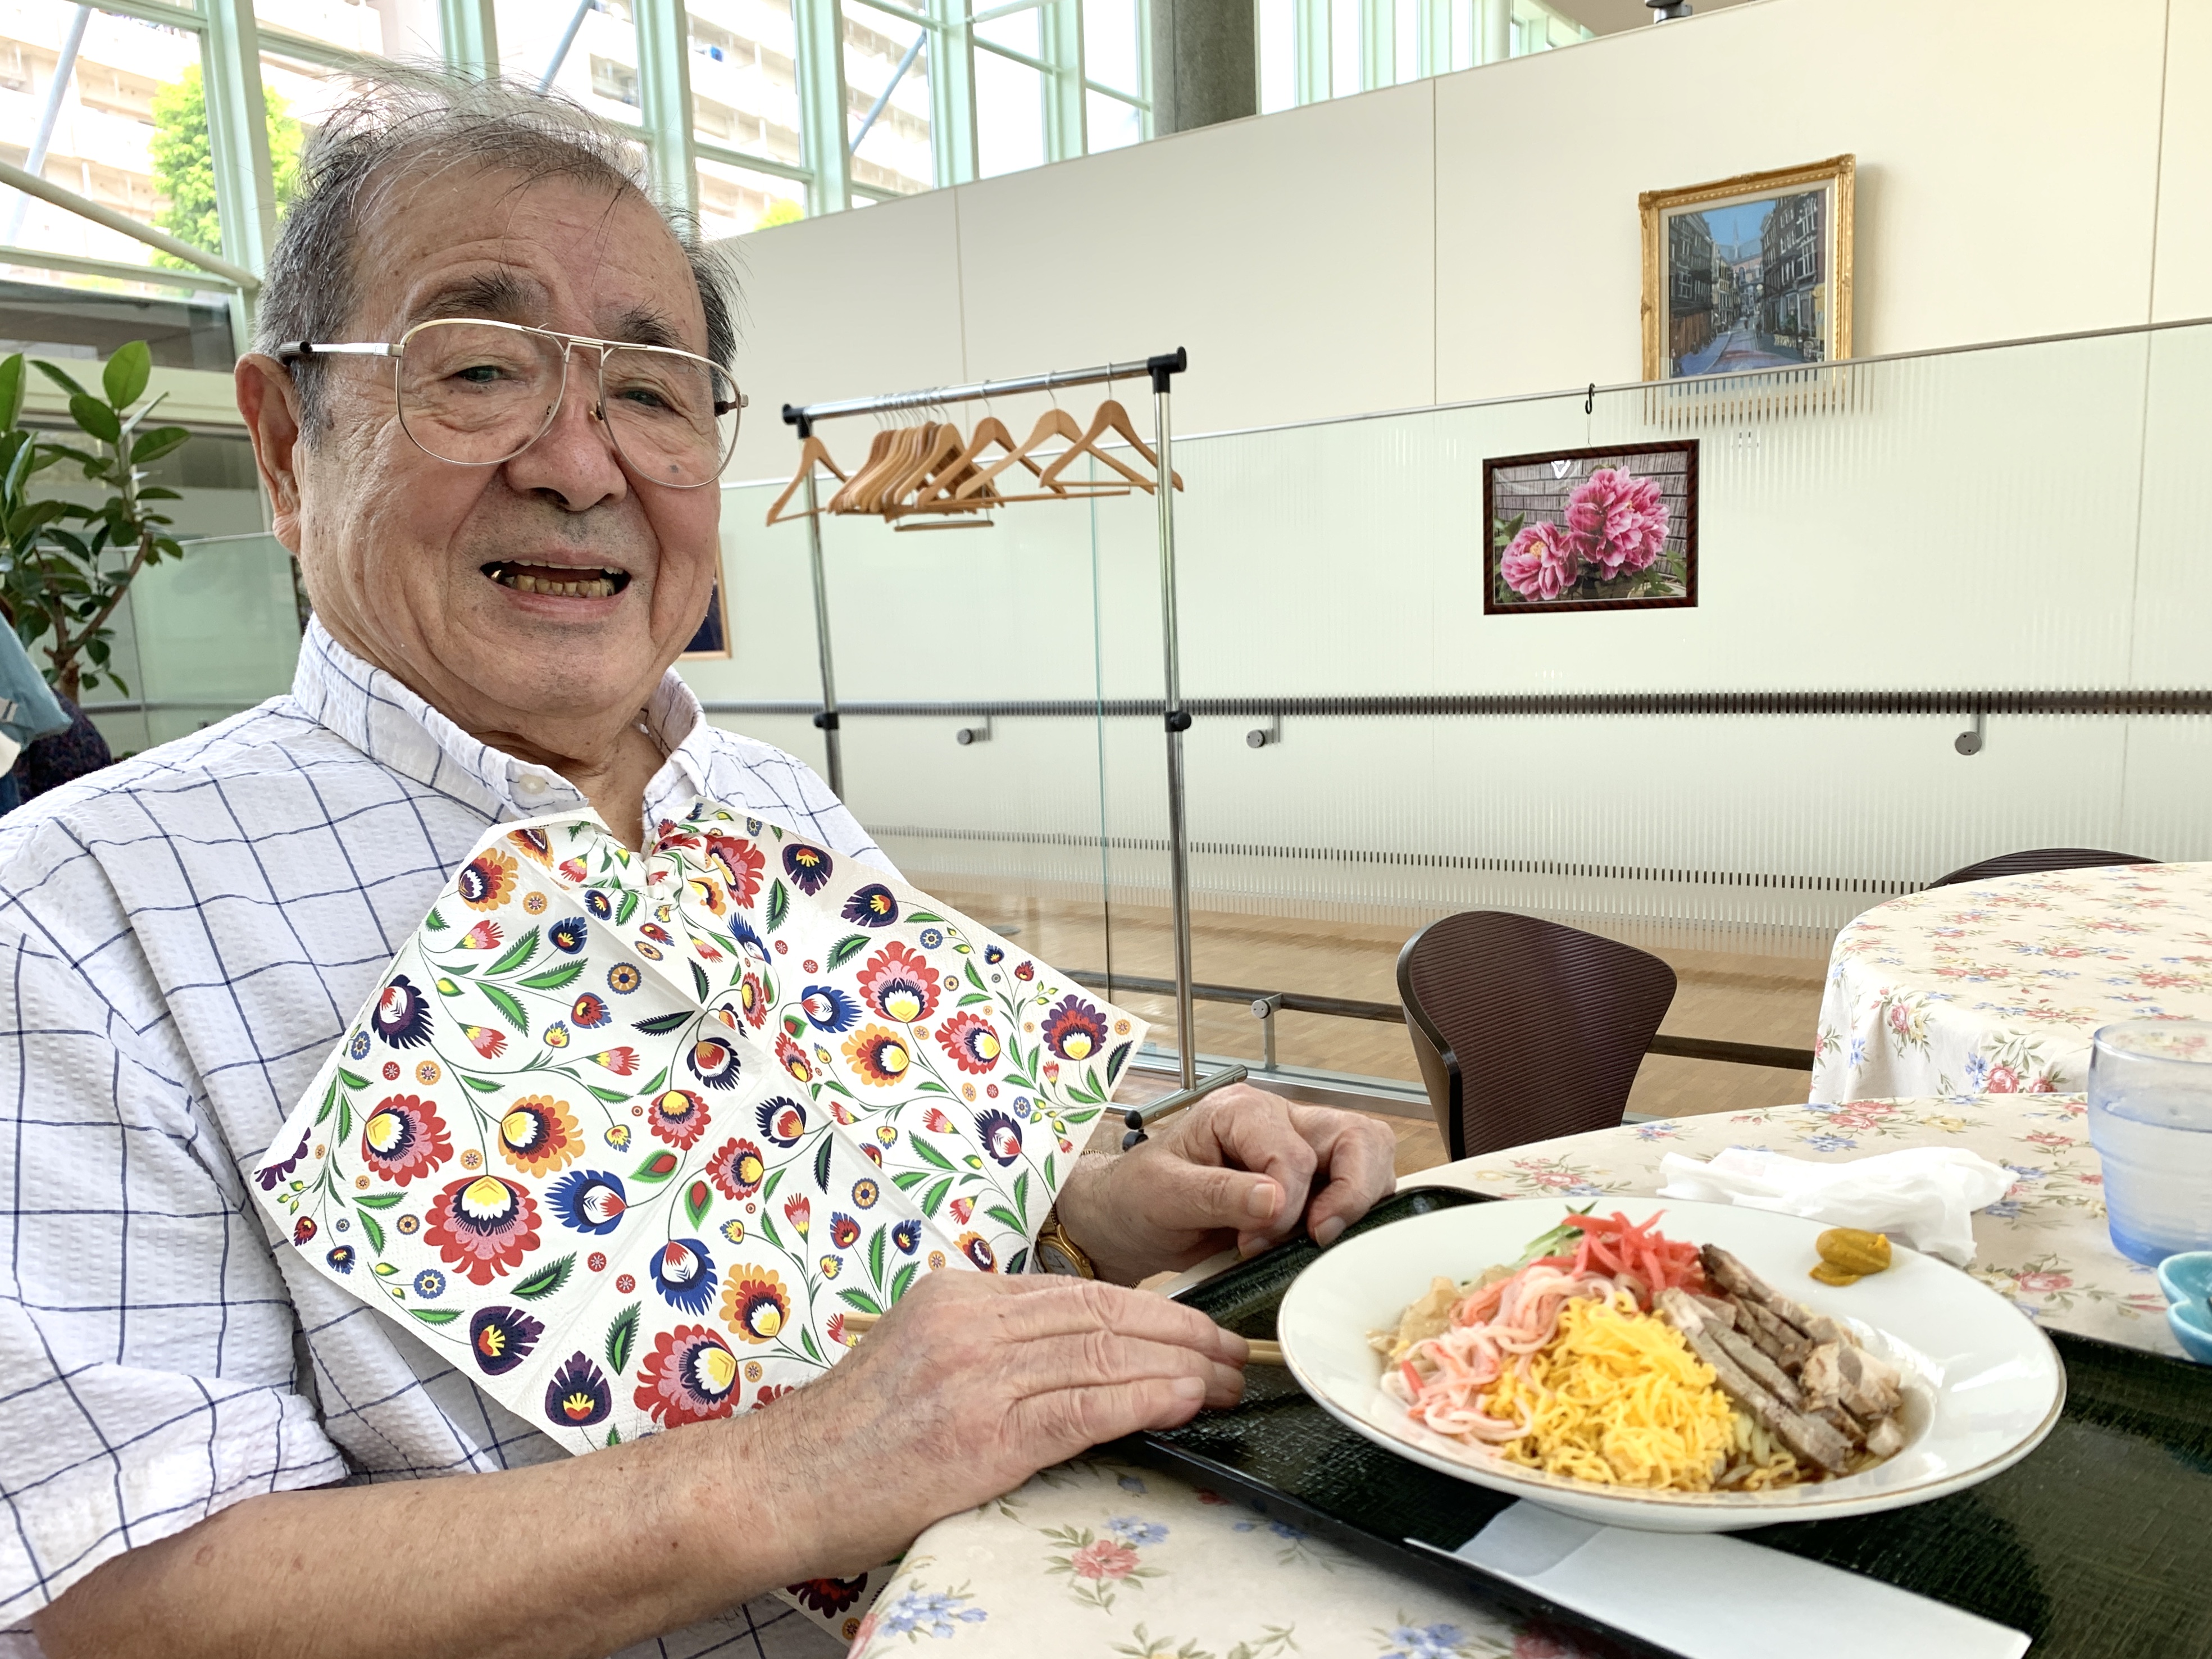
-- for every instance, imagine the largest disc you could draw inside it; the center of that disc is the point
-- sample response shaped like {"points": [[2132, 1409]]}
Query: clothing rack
{"points": [[1161, 371]]}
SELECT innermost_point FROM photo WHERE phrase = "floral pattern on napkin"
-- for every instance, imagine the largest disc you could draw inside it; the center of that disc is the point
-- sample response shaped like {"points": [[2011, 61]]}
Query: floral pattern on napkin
{"points": [[1996, 986], [624, 1136]]}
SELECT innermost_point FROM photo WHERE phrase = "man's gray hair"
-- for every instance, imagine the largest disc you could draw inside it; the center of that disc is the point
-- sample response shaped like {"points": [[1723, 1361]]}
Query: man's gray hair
{"points": [[411, 120]]}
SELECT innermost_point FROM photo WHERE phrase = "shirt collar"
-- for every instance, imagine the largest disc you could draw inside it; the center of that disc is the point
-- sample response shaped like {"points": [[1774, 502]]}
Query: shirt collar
{"points": [[373, 711]]}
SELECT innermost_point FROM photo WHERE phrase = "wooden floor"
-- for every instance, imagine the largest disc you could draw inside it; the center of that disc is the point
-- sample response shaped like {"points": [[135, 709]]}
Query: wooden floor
{"points": [[1740, 998]]}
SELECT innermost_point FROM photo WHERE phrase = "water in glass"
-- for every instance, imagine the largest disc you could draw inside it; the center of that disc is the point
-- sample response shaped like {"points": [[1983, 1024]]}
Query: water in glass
{"points": [[2150, 1119]]}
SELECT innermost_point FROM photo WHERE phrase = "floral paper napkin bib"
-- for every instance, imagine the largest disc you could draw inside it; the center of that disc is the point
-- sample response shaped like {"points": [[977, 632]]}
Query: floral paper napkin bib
{"points": [[624, 1136]]}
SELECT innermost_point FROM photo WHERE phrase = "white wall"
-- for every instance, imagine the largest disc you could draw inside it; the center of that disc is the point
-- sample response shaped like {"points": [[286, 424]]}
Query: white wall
{"points": [[2026, 166]]}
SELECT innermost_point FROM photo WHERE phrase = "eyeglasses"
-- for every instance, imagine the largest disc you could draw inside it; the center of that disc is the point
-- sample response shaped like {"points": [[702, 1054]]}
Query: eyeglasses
{"points": [[476, 392]]}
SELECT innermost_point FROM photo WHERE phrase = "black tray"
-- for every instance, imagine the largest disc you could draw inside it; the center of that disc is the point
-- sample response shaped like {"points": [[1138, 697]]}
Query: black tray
{"points": [[2098, 1545]]}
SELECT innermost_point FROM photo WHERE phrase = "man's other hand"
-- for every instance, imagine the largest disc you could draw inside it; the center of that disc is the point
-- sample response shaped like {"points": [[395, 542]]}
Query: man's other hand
{"points": [[1242, 1167]]}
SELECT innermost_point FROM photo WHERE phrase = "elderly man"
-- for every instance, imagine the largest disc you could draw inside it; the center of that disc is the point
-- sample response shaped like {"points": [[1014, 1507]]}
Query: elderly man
{"points": [[205, 1445]]}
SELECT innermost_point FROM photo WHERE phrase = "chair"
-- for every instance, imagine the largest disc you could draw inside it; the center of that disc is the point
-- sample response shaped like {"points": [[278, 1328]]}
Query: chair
{"points": [[2044, 858], [1525, 1029]]}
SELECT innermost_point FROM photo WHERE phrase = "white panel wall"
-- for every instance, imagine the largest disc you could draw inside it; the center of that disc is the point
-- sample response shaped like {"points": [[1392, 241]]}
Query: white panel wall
{"points": [[2025, 165]]}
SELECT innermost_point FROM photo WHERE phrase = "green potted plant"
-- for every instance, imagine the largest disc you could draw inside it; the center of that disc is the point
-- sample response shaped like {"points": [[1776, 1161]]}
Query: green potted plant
{"points": [[65, 565]]}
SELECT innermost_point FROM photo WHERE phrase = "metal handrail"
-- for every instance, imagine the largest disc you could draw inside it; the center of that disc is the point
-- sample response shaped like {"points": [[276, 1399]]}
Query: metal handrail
{"points": [[1390, 1013]]}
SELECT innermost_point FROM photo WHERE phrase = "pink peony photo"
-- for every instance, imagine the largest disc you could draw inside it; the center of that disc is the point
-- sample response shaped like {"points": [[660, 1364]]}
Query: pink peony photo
{"points": [[1611, 529]]}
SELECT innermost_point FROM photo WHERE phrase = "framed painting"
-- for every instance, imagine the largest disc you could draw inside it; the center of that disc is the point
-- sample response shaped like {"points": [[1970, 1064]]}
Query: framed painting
{"points": [[1751, 272], [1607, 529], [712, 639]]}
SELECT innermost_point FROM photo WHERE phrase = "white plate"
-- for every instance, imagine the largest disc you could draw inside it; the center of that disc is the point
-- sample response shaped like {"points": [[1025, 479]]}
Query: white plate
{"points": [[1983, 1385]]}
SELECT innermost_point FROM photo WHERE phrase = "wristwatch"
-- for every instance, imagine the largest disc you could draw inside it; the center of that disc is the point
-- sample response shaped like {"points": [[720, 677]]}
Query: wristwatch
{"points": [[1056, 1253]]}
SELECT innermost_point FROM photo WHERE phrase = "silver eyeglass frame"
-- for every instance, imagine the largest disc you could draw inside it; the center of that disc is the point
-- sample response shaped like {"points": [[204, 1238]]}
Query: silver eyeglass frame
{"points": [[291, 351]]}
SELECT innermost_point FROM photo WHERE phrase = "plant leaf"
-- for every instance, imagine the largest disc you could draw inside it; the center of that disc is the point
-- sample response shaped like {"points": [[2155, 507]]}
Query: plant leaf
{"points": [[627, 908], [380, 1200], [901, 1280], [553, 979], [699, 979], [846, 948], [657, 1167], [862, 1300], [124, 378], [58, 377], [95, 418], [822, 1163], [1005, 1217], [482, 1086], [507, 1002], [779, 905], [876, 1256], [661, 1024], [516, 954], [930, 1154], [437, 1315], [372, 1231], [547, 1280], [622, 1337], [698, 1198], [933, 1199]]}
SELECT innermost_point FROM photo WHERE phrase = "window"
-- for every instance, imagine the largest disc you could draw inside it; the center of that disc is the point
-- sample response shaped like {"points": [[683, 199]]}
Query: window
{"points": [[587, 50], [888, 115], [126, 130]]}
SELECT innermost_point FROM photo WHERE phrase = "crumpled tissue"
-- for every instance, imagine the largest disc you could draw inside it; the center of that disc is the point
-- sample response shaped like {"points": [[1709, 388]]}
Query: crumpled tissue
{"points": [[1923, 1196]]}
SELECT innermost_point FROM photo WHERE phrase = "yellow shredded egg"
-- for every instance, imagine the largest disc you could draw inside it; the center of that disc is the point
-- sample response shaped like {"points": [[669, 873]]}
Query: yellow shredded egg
{"points": [[1618, 1397]]}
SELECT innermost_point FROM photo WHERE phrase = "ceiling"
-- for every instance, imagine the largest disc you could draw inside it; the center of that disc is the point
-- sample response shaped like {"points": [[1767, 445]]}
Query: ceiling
{"points": [[1612, 16]]}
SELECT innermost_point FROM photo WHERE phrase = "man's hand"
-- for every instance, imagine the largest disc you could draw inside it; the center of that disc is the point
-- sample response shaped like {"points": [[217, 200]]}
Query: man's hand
{"points": [[974, 1382], [969, 1386], [1243, 1167]]}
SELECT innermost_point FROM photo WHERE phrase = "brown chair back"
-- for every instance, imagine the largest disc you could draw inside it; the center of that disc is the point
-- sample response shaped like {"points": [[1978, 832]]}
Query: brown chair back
{"points": [[1525, 1028], [2044, 858]]}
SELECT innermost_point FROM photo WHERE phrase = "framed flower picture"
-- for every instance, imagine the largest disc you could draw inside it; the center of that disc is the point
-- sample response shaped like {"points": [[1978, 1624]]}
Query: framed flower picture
{"points": [[1750, 272], [1607, 529]]}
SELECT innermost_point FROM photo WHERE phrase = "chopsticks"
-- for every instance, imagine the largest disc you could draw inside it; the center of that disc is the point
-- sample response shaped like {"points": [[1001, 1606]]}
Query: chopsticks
{"points": [[1263, 1353]]}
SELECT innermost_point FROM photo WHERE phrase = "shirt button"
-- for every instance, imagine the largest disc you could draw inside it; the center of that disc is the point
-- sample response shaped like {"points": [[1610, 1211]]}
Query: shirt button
{"points": [[531, 784]]}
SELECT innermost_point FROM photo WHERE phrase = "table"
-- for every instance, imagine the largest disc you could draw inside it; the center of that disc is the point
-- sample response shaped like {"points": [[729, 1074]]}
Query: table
{"points": [[1996, 986], [1098, 1559]]}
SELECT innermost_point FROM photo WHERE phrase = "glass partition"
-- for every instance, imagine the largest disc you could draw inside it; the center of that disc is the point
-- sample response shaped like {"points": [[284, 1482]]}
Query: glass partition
{"points": [[1881, 547]]}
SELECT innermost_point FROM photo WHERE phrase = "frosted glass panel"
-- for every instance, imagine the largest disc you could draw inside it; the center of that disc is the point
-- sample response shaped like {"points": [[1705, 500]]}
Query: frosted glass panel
{"points": [[2016, 520]]}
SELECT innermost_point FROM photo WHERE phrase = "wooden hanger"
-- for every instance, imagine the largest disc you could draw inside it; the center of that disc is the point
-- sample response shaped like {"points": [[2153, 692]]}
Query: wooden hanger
{"points": [[1110, 417], [1055, 422], [858, 496], [936, 495], [810, 452], [940, 443], [838, 502]]}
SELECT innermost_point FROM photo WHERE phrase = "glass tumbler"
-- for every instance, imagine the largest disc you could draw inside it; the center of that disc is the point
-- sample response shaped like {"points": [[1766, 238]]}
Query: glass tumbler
{"points": [[2150, 1120]]}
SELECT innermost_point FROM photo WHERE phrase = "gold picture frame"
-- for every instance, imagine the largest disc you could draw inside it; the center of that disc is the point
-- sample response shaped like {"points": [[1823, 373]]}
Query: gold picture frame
{"points": [[1790, 302]]}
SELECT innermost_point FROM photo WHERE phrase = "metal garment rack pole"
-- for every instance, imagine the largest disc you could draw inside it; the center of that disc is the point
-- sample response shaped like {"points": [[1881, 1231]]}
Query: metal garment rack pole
{"points": [[1160, 371]]}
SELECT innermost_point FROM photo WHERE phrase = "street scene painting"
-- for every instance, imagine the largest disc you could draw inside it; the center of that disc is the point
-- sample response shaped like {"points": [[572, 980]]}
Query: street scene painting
{"points": [[1608, 529], [1749, 273]]}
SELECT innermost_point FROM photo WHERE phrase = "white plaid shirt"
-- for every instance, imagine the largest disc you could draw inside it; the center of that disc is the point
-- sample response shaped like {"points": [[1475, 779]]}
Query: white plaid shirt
{"points": [[183, 937]]}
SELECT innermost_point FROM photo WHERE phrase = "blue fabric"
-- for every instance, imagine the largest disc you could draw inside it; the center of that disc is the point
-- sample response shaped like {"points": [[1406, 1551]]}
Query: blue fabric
{"points": [[37, 712]]}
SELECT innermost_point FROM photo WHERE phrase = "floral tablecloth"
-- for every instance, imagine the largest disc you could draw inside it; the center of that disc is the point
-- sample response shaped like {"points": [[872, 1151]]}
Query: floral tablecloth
{"points": [[1099, 1559], [1997, 986], [1094, 1559]]}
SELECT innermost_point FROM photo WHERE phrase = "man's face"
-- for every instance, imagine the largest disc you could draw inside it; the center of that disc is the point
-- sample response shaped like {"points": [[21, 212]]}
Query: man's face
{"points": [[439, 573]]}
